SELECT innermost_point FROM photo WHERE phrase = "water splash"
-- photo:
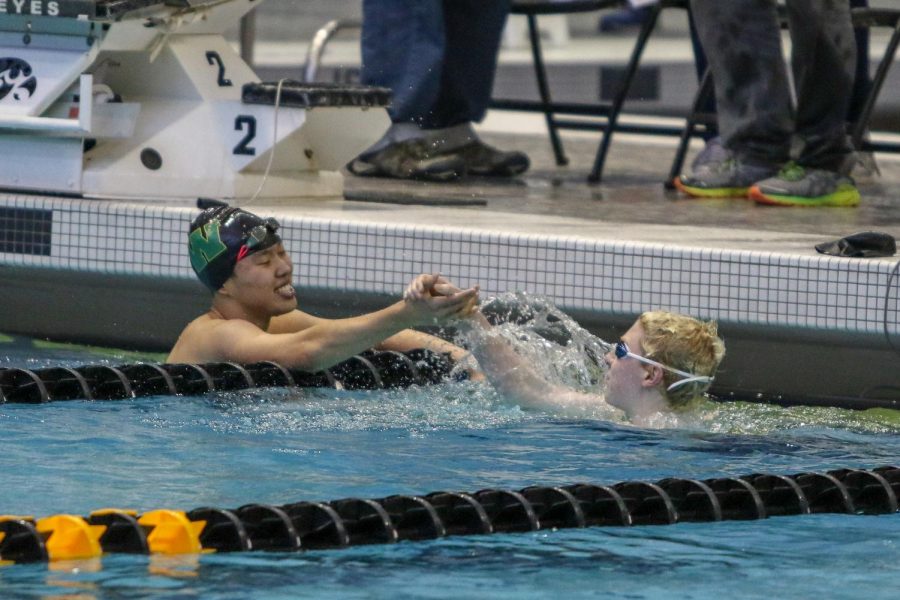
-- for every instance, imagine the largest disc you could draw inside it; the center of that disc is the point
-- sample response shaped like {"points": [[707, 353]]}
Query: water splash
{"points": [[552, 342]]}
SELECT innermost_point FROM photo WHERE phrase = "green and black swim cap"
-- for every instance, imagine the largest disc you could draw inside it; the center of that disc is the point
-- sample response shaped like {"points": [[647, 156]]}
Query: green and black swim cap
{"points": [[220, 237]]}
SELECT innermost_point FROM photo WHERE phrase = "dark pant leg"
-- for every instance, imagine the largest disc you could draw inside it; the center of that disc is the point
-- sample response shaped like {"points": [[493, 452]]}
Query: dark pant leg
{"points": [[862, 82], [824, 65], [742, 42], [403, 47], [473, 32]]}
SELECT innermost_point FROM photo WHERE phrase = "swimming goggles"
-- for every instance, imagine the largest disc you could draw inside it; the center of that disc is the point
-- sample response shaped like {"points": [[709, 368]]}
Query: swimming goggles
{"points": [[259, 233], [621, 351], [256, 237]]}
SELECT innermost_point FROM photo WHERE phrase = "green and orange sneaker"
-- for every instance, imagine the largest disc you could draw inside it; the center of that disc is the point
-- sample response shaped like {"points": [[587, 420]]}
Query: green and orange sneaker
{"points": [[802, 186], [729, 178]]}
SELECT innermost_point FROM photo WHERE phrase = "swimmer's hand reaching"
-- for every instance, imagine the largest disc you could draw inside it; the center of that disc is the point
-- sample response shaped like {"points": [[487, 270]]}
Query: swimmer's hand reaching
{"points": [[437, 286], [434, 294]]}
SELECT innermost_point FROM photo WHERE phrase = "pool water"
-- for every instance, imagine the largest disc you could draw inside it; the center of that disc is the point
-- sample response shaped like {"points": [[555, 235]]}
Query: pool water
{"points": [[279, 446]]}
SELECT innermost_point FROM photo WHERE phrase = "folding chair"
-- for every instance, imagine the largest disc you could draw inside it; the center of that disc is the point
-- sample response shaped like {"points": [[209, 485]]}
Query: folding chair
{"points": [[876, 17], [607, 111]]}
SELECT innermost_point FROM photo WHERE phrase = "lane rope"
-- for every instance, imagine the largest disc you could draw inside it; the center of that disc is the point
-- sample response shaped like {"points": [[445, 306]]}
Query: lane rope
{"points": [[310, 525]]}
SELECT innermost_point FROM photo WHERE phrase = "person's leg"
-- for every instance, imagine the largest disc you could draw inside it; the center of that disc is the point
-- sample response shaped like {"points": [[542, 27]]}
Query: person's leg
{"points": [[403, 48], [743, 46], [473, 30], [742, 42], [713, 152], [862, 81], [865, 165], [824, 64], [439, 57]]}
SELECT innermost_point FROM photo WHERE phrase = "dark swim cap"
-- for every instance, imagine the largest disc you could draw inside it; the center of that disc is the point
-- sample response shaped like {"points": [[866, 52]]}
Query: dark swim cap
{"points": [[220, 237]]}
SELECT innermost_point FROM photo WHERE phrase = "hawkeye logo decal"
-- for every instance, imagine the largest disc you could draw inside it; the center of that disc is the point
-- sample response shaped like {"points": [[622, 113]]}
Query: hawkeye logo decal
{"points": [[16, 80]]}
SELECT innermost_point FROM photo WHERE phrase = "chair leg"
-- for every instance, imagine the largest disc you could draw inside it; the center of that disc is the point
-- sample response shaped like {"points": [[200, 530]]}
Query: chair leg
{"points": [[619, 99], [690, 127], [859, 128], [540, 72]]}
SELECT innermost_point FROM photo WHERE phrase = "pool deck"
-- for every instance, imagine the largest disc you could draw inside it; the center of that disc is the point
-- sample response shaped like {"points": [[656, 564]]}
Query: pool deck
{"points": [[630, 204]]}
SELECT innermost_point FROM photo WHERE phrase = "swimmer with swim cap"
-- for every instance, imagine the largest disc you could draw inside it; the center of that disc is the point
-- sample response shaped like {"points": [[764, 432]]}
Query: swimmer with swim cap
{"points": [[221, 237], [240, 257]]}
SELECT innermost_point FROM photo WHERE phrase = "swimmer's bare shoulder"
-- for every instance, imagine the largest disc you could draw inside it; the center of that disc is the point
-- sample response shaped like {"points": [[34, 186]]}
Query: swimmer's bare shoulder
{"points": [[210, 338]]}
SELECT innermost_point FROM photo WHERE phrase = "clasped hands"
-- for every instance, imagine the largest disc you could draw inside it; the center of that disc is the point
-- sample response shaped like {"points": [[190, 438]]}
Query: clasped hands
{"points": [[435, 295]]}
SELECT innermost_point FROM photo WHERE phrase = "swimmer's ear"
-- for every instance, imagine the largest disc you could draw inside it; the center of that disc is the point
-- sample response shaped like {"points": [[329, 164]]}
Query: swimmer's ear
{"points": [[225, 290], [653, 376]]}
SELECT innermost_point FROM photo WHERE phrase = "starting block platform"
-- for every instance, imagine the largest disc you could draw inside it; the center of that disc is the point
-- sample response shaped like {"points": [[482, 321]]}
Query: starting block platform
{"points": [[145, 99]]}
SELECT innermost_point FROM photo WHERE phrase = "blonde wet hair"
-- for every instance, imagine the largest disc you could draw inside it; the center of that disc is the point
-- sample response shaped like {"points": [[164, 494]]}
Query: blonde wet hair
{"points": [[684, 343]]}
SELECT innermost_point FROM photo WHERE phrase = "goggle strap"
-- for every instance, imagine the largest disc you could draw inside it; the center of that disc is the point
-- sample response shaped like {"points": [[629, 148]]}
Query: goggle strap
{"points": [[650, 361], [697, 378]]}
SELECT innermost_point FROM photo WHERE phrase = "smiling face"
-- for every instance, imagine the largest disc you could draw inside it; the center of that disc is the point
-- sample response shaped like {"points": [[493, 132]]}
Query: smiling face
{"points": [[261, 284]]}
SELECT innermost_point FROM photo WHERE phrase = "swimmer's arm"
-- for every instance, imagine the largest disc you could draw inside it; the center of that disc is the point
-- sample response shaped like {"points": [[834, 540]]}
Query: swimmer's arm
{"points": [[294, 321], [404, 341], [413, 340], [410, 339], [515, 380], [329, 341]]}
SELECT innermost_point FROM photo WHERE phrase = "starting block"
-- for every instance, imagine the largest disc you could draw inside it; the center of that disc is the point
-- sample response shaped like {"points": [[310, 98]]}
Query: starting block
{"points": [[145, 99]]}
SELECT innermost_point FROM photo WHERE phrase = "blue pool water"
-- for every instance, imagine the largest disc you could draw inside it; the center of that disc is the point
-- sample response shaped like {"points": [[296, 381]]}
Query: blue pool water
{"points": [[281, 446]]}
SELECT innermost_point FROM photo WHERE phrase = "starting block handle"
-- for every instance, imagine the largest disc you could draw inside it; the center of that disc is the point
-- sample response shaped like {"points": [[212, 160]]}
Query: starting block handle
{"points": [[52, 125]]}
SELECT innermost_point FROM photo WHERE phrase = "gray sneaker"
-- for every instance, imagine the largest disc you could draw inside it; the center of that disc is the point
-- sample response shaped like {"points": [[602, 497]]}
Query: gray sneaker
{"points": [[410, 159], [713, 153], [801, 186], [864, 167], [729, 178]]}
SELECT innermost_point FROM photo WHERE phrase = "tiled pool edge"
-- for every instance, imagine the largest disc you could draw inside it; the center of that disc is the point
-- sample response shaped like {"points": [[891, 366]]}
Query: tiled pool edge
{"points": [[743, 287]]}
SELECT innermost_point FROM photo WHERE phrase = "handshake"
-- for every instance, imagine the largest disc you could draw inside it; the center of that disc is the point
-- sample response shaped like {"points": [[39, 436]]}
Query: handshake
{"points": [[435, 294]]}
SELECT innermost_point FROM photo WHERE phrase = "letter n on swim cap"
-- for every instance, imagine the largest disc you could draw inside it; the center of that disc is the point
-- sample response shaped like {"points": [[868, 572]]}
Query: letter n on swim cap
{"points": [[205, 244]]}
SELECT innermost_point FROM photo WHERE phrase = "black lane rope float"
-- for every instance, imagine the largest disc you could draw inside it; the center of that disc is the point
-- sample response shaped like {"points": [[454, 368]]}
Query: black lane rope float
{"points": [[346, 522], [369, 370]]}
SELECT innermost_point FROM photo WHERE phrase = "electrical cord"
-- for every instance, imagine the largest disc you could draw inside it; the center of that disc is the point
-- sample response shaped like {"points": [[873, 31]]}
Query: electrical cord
{"points": [[265, 176]]}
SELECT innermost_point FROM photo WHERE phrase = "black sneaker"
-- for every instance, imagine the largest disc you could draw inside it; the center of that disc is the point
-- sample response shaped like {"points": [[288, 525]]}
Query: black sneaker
{"points": [[487, 161], [411, 159]]}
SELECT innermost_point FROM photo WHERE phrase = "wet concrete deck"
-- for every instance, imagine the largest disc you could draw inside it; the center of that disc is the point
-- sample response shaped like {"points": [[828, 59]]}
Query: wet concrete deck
{"points": [[631, 203]]}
